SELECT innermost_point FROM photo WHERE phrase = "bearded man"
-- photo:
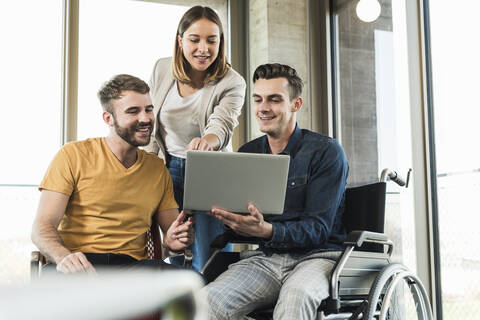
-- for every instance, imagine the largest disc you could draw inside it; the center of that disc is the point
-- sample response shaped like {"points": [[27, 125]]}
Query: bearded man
{"points": [[99, 195]]}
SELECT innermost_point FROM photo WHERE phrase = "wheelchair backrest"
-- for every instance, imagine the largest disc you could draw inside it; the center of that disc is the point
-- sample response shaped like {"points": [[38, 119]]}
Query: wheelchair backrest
{"points": [[365, 210]]}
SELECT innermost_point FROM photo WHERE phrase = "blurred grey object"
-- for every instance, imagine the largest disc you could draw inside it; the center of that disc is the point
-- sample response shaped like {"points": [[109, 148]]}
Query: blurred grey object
{"points": [[113, 295]]}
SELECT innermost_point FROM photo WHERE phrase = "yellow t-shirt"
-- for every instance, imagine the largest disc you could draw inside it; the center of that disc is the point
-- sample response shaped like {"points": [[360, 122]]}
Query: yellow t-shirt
{"points": [[110, 207]]}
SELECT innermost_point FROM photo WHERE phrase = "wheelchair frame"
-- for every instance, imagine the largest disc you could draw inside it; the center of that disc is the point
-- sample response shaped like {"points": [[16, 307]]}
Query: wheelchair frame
{"points": [[360, 280]]}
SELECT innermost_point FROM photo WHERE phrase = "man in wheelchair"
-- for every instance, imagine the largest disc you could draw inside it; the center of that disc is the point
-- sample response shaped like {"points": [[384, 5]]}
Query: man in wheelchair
{"points": [[99, 195], [299, 248]]}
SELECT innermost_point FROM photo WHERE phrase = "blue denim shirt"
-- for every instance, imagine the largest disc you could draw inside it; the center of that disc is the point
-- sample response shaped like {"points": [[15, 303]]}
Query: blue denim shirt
{"points": [[311, 220]]}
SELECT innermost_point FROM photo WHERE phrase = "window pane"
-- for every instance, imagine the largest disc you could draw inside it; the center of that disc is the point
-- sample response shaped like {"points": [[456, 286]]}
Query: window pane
{"points": [[129, 41], [18, 205], [373, 111], [30, 86], [455, 70]]}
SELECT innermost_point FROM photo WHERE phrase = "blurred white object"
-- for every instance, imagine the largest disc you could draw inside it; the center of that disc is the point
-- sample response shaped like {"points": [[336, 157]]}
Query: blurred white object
{"points": [[368, 10], [115, 295]]}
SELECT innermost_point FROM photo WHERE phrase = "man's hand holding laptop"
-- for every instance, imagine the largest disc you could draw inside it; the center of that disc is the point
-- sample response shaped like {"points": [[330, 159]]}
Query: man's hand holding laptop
{"points": [[250, 224]]}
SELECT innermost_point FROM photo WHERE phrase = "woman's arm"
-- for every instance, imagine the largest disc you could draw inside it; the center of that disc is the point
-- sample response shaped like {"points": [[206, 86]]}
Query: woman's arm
{"points": [[209, 142], [161, 72], [224, 118]]}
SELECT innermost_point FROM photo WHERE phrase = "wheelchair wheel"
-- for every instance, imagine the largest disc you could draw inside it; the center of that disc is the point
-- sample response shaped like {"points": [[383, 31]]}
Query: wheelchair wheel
{"points": [[397, 294]]}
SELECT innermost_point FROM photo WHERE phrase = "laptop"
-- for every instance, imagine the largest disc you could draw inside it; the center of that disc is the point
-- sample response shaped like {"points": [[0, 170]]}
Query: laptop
{"points": [[230, 180]]}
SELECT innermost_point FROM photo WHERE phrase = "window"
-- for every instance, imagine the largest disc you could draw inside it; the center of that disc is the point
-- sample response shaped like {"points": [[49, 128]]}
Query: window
{"points": [[30, 83], [129, 41], [455, 70], [372, 110], [115, 36]]}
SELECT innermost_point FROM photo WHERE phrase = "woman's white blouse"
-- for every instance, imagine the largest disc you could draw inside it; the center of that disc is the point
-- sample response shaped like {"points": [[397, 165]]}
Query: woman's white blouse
{"points": [[179, 119]]}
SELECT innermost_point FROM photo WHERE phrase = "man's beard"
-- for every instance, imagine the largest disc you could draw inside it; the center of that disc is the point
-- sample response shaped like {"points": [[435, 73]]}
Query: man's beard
{"points": [[128, 133]]}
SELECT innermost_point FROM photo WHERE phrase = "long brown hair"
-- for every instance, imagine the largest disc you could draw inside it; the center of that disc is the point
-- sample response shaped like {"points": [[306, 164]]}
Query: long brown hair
{"points": [[180, 66]]}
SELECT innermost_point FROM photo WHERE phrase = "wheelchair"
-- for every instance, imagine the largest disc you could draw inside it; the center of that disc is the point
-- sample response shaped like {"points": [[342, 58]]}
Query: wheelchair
{"points": [[364, 283]]}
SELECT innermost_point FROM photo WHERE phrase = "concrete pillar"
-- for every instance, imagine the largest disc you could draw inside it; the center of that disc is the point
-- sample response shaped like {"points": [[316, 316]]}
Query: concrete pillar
{"points": [[278, 32]]}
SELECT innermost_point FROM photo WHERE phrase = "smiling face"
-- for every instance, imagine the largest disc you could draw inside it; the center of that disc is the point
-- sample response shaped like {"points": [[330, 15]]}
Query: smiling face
{"points": [[200, 44], [274, 110], [132, 118]]}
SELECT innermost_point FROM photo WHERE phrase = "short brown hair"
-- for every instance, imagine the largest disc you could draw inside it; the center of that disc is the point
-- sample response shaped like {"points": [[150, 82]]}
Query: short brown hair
{"points": [[180, 67], [112, 89], [277, 70]]}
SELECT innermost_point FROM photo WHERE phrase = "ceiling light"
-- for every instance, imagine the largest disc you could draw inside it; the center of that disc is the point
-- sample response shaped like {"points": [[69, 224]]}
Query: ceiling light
{"points": [[368, 10]]}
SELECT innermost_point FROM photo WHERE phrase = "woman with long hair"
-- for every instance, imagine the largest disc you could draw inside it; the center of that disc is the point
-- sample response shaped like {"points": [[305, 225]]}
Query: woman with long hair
{"points": [[198, 98]]}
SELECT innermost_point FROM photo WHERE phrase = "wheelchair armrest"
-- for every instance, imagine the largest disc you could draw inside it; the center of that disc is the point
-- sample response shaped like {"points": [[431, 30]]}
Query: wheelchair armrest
{"points": [[37, 260], [36, 257], [357, 238]]}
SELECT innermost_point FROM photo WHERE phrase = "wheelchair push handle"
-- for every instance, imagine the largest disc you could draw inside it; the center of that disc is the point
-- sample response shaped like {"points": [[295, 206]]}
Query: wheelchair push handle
{"points": [[391, 175]]}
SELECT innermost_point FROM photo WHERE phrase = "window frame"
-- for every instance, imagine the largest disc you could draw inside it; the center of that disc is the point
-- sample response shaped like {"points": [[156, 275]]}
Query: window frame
{"points": [[70, 51], [423, 150]]}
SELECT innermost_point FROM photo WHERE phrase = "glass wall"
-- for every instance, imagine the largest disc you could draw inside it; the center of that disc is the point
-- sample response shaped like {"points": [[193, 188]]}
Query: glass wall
{"points": [[372, 109], [115, 36], [129, 41], [30, 87], [455, 69]]}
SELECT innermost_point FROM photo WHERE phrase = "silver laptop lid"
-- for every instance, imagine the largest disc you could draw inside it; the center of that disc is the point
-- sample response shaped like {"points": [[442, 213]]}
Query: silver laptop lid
{"points": [[230, 180]]}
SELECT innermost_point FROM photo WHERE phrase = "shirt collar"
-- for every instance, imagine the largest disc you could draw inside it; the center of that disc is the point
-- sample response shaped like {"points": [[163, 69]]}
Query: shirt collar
{"points": [[292, 144]]}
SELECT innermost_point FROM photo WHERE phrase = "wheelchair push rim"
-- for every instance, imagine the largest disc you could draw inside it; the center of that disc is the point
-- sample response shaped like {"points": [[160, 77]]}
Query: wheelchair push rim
{"points": [[388, 285]]}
